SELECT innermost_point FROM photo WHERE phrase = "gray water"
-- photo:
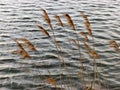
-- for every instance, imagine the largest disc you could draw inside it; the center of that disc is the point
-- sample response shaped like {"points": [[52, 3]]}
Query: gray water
{"points": [[18, 18]]}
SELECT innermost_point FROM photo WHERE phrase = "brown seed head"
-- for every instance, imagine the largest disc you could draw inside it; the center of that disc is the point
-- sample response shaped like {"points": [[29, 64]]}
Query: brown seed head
{"points": [[70, 22]]}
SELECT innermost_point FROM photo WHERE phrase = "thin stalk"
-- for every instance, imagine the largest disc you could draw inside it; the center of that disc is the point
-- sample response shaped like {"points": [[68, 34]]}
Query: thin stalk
{"points": [[82, 74], [59, 55]]}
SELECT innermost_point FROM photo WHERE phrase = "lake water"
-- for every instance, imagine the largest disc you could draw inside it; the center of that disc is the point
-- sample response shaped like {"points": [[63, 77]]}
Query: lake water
{"points": [[18, 19]]}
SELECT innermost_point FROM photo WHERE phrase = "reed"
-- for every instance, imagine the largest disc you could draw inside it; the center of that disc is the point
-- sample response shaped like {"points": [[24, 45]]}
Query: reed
{"points": [[54, 40], [70, 21], [91, 52], [59, 20], [77, 42], [87, 24], [46, 18], [62, 25]]}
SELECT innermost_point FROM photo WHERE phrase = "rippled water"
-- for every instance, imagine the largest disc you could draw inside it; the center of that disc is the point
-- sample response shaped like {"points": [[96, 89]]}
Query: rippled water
{"points": [[18, 18]]}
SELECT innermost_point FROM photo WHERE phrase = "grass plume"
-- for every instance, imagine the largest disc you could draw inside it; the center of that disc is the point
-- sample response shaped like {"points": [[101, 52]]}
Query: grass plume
{"points": [[70, 22], [46, 18], [87, 24], [28, 44], [59, 20], [22, 52], [114, 44]]}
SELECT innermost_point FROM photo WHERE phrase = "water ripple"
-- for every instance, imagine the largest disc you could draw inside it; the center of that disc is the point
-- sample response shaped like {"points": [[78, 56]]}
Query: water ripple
{"points": [[19, 18]]}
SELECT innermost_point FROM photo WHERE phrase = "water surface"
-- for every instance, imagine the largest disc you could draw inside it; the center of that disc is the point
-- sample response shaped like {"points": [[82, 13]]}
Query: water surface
{"points": [[18, 18]]}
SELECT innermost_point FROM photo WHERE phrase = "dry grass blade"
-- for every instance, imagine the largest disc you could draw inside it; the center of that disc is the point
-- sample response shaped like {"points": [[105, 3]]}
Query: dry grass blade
{"points": [[51, 81], [114, 44], [46, 18], [19, 45], [87, 46], [22, 51], [70, 22], [59, 20], [43, 30], [85, 36], [87, 23], [88, 28], [28, 44]]}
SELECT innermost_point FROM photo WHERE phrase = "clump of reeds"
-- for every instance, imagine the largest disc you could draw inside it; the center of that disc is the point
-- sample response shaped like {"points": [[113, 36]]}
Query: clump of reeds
{"points": [[90, 51]]}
